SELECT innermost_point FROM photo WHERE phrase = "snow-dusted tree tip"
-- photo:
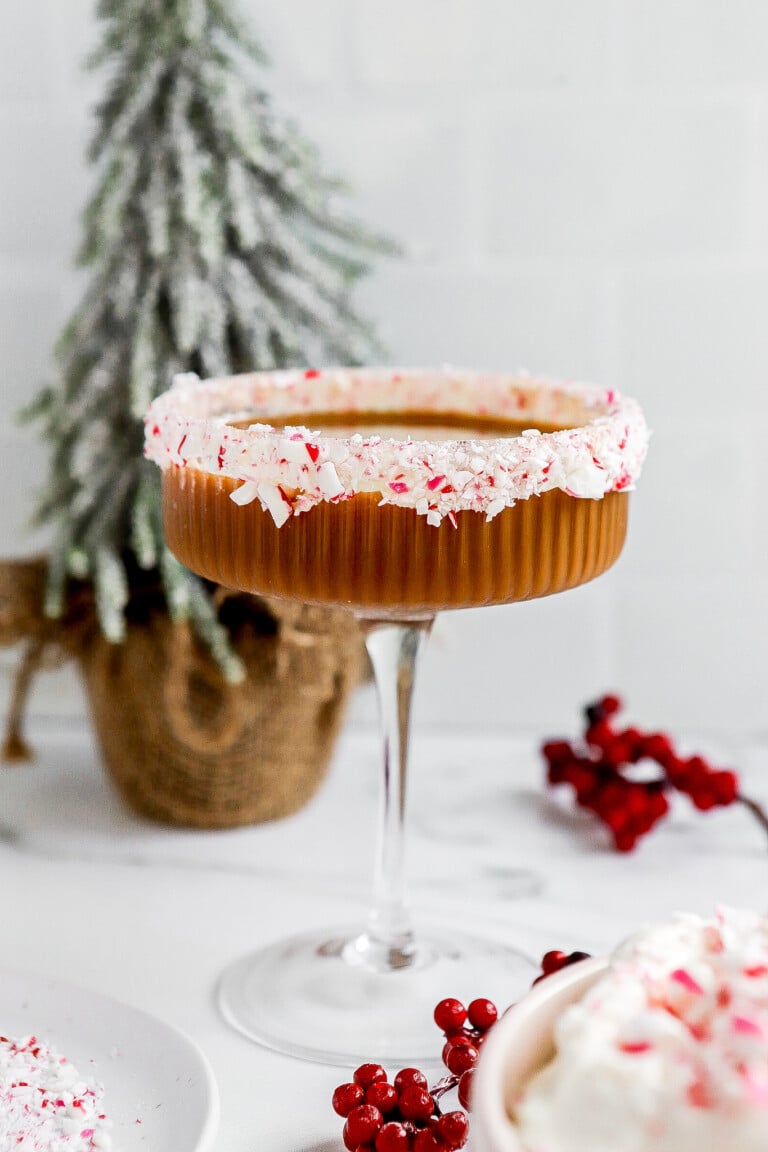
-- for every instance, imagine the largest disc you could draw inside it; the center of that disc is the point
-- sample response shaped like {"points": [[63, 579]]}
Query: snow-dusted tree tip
{"points": [[216, 244]]}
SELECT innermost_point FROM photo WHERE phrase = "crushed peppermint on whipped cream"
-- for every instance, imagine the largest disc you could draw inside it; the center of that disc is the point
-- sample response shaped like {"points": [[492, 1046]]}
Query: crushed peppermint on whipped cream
{"points": [[45, 1103], [667, 1052], [290, 470]]}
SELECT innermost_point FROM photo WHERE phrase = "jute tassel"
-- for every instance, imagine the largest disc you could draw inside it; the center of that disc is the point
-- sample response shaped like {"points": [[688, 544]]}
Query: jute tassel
{"points": [[180, 744]]}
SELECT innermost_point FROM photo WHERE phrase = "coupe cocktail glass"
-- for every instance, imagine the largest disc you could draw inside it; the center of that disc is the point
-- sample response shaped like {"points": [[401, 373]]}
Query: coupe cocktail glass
{"points": [[397, 495]]}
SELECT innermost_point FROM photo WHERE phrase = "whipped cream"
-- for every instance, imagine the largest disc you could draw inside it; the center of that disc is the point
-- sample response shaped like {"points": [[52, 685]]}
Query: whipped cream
{"points": [[600, 449], [46, 1105], [668, 1052]]}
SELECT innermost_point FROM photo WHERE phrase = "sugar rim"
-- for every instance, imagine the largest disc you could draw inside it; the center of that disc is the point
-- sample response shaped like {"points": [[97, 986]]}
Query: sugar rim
{"points": [[600, 449]]}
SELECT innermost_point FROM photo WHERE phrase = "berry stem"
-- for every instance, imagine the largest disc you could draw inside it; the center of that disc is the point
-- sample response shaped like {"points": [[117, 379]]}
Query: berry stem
{"points": [[447, 1084], [756, 809]]}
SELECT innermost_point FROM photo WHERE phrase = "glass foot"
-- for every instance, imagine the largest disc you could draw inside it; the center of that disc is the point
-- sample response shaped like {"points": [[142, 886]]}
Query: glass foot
{"points": [[318, 998]]}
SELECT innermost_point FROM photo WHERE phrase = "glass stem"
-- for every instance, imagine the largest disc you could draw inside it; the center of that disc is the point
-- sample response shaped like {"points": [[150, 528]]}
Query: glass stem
{"points": [[394, 649]]}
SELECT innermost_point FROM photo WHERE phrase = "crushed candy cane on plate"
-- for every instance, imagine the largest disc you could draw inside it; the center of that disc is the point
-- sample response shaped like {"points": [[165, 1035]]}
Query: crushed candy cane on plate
{"points": [[46, 1104]]}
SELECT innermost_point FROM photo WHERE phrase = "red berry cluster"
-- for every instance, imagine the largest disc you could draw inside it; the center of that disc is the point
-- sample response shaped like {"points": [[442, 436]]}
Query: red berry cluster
{"points": [[405, 1116], [630, 808], [465, 1030], [400, 1117]]}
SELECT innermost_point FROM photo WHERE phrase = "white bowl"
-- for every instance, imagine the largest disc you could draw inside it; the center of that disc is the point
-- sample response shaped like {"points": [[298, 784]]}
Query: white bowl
{"points": [[517, 1047]]}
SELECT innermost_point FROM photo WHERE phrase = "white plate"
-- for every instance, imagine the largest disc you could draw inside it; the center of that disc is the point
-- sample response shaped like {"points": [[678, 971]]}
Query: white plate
{"points": [[158, 1087]]}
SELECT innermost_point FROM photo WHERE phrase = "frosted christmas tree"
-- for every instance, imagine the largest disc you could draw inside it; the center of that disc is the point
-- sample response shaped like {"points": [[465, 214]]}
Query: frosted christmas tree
{"points": [[216, 244]]}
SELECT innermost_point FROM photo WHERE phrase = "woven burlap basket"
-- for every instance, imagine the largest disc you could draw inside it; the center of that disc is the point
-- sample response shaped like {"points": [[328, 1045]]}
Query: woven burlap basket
{"points": [[180, 744]]}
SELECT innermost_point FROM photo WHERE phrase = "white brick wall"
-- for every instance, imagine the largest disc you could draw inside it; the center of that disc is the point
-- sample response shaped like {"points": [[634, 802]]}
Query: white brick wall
{"points": [[583, 189]]}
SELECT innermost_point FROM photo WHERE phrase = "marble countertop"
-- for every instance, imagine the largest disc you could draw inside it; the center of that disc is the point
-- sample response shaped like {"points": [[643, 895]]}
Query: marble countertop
{"points": [[149, 915]]}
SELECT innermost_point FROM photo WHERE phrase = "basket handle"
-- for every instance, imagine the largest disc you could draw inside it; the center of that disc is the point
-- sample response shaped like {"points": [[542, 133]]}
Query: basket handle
{"points": [[183, 720]]}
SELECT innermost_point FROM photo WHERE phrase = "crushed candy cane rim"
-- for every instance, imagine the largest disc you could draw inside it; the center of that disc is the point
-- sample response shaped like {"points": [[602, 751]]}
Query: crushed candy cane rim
{"points": [[600, 449]]}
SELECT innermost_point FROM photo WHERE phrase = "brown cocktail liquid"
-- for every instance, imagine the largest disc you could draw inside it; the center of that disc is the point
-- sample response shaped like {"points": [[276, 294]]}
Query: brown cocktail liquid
{"points": [[385, 560]]}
